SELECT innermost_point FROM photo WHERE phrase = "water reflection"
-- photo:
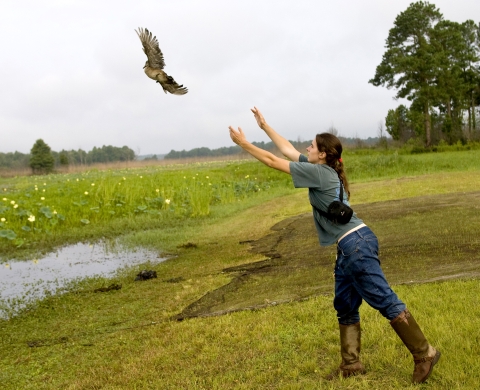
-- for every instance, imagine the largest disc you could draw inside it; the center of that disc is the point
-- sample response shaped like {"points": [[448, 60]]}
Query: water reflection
{"points": [[28, 280]]}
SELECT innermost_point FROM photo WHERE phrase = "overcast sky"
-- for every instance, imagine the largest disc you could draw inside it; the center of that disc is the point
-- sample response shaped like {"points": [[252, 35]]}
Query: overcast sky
{"points": [[71, 70]]}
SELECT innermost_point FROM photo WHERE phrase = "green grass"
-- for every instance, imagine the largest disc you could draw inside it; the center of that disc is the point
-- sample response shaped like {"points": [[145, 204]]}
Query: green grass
{"points": [[39, 213], [125, 339]]}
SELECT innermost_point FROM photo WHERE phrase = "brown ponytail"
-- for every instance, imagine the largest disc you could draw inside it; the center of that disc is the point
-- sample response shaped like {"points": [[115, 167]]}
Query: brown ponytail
{"points": [[332, 146]]}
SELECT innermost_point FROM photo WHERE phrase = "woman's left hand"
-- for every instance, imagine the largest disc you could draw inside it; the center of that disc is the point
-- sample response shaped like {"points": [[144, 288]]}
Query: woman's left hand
{"points": [[237, 136]]}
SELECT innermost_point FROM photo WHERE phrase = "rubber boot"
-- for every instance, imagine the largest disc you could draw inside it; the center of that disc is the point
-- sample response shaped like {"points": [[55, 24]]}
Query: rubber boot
{"points": [[424, 355], [350, 336]]}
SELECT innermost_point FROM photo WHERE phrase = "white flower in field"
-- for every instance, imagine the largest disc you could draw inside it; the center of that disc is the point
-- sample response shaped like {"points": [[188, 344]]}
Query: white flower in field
{"points": [[36, 189], [35, 261], [124, 178], [78, 180], [54, 211], [15, 206], [86, 192], [93, 184], [157, 190], [5, 199], [193, 177], [12, 202], [42, 198], [184, 177], [43, 190], [206, 177], [141, 177], [31, 218], [246, 177], [3, 219], [167, 201], [44, 184], [7, 265]]}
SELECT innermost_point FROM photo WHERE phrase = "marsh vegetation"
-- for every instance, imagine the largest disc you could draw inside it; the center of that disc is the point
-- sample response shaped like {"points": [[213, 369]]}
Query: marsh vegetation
{"points": [[252, 255]]}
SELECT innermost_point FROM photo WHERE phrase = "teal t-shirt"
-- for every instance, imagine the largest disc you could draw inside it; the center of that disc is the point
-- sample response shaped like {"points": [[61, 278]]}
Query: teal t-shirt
{"points": [[323, 188]]}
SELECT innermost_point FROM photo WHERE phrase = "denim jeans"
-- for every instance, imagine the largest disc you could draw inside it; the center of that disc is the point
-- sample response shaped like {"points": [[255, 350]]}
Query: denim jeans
{"points": [[358, 276]]}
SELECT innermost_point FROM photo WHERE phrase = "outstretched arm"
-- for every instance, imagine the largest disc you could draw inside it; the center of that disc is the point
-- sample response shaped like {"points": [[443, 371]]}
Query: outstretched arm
{"points": [[261, 155], [285, 146]]}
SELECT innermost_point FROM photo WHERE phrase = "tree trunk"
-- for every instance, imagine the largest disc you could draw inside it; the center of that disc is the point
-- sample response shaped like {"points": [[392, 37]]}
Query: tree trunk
{"points": [[474, 121], [428, 125], [469, 121]]}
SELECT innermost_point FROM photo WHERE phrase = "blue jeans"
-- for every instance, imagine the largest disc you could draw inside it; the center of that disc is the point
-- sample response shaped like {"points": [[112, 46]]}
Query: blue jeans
{"points": [[358, 276]]}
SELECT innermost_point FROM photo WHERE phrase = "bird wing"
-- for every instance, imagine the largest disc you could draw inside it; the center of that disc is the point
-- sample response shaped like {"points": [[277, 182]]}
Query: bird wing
{"points": [[173, 87], [151, 48]]}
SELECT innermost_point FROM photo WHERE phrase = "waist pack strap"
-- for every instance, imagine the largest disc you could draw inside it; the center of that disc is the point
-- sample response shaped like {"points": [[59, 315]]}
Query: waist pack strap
{"points": [[325, 214]]}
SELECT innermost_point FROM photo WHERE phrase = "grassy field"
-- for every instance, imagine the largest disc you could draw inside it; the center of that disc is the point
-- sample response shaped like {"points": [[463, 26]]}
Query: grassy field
{"points": [[126, 339]]}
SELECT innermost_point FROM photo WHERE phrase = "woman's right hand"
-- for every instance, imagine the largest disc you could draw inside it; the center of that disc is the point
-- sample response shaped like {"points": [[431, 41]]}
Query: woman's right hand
{"points": [[259, 118]]}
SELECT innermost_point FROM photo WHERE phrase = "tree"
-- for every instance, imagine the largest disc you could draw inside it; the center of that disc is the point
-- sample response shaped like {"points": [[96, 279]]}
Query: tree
{"points": [[410, 61], [63, 158], [41, 159], [403, 123], [471, 72], [382, 138]]}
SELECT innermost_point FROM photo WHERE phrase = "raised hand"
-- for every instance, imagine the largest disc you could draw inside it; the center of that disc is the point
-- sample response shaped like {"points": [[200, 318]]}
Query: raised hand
{"points": [[237, 137], [259, 117]]}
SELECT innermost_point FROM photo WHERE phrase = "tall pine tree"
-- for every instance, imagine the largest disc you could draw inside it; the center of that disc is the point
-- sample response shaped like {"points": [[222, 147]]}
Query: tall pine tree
{"points": [[41, 160], [410, 62]]}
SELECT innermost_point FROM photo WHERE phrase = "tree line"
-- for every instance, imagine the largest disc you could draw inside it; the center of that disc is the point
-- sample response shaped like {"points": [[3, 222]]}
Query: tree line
{"points": [[435, 64], [43, 160], [270, 146]]}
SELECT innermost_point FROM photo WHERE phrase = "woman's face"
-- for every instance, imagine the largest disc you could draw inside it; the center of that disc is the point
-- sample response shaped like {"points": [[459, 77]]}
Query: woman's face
{"points": [[314, 155]]}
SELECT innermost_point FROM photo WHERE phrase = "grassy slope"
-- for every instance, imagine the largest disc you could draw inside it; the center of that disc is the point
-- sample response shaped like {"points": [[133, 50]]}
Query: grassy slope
{"points": [[124, 339]]}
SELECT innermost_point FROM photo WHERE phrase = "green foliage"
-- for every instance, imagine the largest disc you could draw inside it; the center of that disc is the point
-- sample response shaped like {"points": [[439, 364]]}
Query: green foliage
{"points": [[63, 158], [41, 160], [225, 151], [41, 212], [434, 63], [14, 160], [105, 154]]}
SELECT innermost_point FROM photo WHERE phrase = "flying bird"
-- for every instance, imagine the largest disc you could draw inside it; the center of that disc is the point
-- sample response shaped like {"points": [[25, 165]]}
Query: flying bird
{"points": [[155, 64]]}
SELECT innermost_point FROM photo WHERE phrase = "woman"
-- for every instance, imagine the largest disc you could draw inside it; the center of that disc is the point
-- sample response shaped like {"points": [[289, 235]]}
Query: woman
{"points": [[358, 275]]}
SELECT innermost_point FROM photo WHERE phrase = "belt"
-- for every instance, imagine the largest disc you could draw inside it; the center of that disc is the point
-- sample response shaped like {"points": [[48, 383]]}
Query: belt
{"points": [[351, 231]]}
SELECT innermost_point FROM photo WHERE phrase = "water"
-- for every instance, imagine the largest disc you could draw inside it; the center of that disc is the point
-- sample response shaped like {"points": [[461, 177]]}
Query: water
{"points": [[22, 282]]}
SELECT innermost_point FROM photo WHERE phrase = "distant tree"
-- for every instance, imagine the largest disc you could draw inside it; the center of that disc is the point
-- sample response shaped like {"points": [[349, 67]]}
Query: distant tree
{"points": [[14, 160], [63, 158], [333, 130], [382, 138], [410, 62], [41, 158]]}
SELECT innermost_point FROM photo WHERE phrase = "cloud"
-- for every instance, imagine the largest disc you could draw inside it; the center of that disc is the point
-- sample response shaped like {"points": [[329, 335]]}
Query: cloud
{"points": [[72, 70]]}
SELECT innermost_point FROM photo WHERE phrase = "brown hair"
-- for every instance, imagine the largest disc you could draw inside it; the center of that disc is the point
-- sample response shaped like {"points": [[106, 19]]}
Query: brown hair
{"points": [[332, 146]]}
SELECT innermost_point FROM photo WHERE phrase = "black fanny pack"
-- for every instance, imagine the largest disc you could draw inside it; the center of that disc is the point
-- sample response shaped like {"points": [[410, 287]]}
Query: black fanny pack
{"points": [[337, 211]]}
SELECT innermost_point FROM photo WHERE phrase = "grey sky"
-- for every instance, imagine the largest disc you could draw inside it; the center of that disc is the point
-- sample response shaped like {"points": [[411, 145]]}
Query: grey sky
{"points": [[71, 70]]}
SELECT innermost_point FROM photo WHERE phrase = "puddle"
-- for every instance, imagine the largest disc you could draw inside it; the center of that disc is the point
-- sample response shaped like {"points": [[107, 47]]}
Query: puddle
{"points": [[22, 282]]}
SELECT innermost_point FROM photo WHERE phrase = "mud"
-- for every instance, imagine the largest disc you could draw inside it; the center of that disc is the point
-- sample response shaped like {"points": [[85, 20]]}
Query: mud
{"points": [[422, 240]]}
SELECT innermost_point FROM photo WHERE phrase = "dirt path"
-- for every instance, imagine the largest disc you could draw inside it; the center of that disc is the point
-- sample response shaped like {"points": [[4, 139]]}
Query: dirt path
{"points": [[423, 239]]}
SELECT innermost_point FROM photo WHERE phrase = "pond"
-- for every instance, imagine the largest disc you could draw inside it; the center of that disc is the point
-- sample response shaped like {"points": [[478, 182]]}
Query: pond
{"points": [[22, 282]]}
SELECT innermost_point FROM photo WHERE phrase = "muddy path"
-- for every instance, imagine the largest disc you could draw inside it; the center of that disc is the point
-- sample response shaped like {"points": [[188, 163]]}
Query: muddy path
{"points": [[424, 239]]}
